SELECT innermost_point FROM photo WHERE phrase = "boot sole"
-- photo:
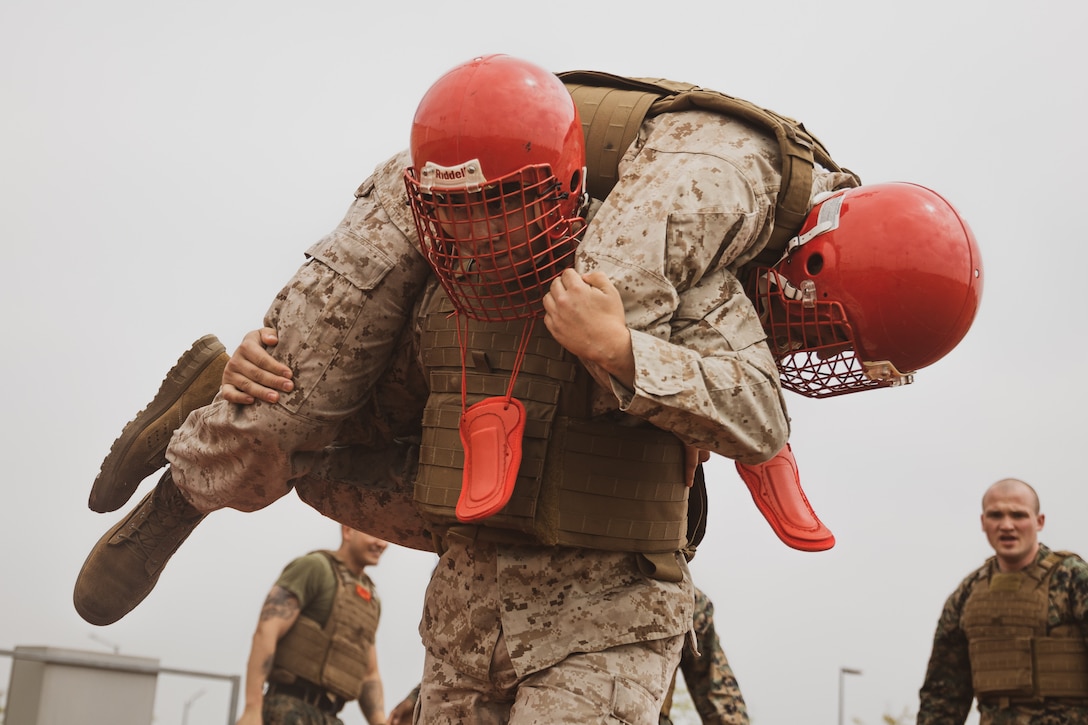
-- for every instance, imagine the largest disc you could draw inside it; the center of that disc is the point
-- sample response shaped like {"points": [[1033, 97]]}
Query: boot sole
{"points": [[112, 489]]}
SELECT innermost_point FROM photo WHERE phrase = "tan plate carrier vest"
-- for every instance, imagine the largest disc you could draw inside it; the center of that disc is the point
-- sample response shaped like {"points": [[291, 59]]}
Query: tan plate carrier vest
{"points": [[334, 656], [1012, 654], [584, 482], [613, 107]]}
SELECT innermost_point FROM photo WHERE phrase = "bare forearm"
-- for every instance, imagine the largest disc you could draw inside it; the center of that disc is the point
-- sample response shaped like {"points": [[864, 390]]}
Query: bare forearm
{"points": [[258, 666], [372, 702], [278, 614]]}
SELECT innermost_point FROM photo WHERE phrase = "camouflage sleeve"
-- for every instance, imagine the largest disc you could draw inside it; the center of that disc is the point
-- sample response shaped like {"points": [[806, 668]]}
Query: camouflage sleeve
{"points": [[1069, 594], [946, 694], [708, 676], [695, 199]]}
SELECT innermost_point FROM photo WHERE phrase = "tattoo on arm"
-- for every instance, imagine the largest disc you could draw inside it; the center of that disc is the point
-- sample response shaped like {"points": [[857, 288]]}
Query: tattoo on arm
{"points": [[280, 604]]}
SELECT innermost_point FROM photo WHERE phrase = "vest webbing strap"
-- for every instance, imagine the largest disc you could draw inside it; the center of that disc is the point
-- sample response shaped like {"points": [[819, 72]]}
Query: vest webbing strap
{"points": [[613, 107]]}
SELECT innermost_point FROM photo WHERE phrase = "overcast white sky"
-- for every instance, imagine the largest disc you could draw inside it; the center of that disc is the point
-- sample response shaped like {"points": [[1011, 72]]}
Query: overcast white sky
{"points": [[164, 166]]}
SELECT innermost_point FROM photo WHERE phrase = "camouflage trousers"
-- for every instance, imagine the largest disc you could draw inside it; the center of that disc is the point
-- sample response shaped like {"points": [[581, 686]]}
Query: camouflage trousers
{"points": [[287, 710], [1049, 714], [612, 686]]}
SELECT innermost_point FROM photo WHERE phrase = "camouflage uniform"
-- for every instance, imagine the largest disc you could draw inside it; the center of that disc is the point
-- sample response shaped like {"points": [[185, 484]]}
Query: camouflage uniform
{"points": [[709, 678], [337, 321], [687, 178], [947, 693], [694, 202], [507, 624], [533, 624], [286, 710]]}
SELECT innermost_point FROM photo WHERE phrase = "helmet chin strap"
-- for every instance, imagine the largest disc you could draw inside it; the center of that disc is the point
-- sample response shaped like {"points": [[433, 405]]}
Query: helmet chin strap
{"points": [[829, 204], [806, 293], [830, 208]]}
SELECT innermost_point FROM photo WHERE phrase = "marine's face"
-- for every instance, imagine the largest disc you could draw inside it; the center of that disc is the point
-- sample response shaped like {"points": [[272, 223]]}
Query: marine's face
{"points": [[366, 549], [493, 231], [495, 246], [1012, 526]]}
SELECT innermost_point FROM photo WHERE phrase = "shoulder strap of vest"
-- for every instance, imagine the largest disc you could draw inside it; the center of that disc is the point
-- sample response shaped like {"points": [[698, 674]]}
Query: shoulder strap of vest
{"points": [[1050, 561], [613, 107], [340, 575], [1045, 567]]}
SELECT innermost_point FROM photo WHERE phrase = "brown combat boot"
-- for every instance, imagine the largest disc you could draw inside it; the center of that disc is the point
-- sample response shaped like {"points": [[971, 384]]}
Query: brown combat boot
{"points": [[125, 564], [141, 449]]}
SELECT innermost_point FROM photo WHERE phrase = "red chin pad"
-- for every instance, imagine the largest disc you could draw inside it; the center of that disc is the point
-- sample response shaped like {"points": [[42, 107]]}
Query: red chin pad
{"points": [[491, 433], [776, 489]]}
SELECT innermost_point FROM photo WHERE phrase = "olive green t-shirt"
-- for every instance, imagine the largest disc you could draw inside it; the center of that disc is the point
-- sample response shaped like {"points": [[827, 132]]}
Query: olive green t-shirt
{"points": [[312, 580]]}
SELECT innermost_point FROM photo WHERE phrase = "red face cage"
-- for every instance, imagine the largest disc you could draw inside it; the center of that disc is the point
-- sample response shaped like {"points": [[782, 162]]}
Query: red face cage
{"points": [[812, 341], [495, 247]]}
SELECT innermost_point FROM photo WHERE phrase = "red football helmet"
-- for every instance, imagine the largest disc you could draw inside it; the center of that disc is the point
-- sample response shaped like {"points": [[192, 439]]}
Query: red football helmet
{"points": [[497, 184], [882, 281]]}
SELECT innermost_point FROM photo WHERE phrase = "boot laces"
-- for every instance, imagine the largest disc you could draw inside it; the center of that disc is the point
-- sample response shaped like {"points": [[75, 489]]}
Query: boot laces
{"points": [[165, 524]]}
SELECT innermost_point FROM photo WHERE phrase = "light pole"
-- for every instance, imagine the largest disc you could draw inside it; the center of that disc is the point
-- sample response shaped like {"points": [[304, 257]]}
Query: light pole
{"points": [[188, 704], [115, 647], [843, 671]]}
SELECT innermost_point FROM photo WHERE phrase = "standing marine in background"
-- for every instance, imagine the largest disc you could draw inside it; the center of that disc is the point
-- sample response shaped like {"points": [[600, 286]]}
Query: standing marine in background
{"points": [[314, 641], [1014, 633]]}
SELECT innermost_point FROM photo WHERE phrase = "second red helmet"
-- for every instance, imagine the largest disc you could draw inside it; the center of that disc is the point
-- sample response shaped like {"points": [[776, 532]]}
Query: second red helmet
{"points": [[882, 281]]}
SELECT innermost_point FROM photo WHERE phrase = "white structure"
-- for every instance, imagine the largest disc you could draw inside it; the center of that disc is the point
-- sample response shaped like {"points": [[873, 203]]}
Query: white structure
{"points": [[51, 686]]}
